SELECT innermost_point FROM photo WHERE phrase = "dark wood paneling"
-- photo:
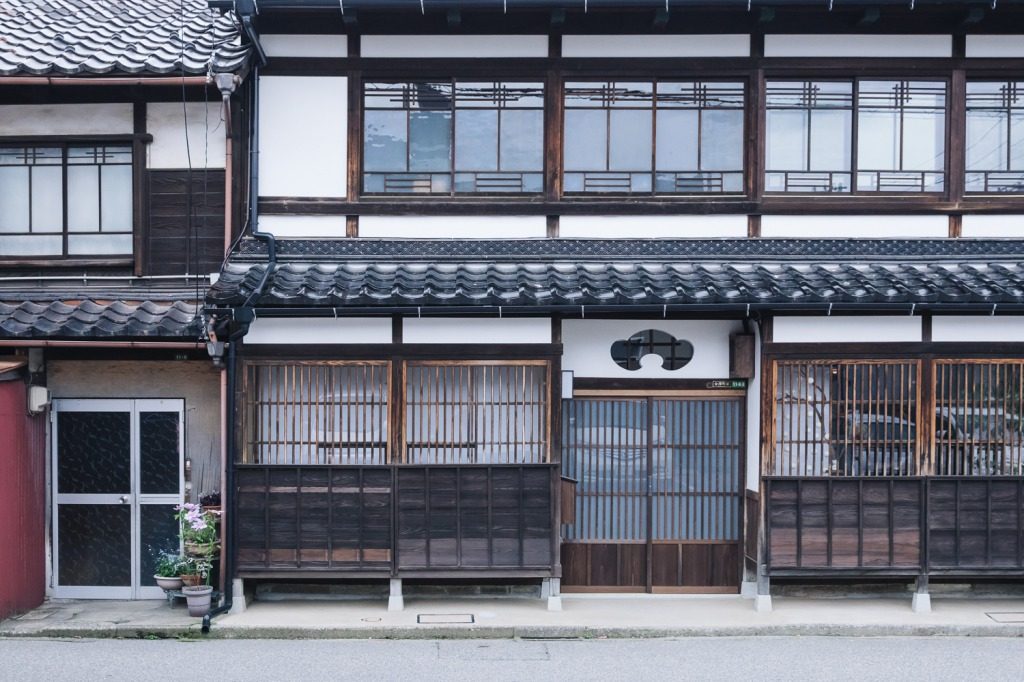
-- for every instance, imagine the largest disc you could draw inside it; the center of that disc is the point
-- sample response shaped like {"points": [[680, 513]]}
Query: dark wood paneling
{"points": [[174, 244], [976, 524]]}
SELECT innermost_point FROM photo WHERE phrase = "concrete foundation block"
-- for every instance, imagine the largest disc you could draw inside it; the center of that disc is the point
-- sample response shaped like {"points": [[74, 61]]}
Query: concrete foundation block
{"points": [[748, 589], [551, 590], [921, 603], [396, 602], [238, 602], [554, 603], [763, 603]]}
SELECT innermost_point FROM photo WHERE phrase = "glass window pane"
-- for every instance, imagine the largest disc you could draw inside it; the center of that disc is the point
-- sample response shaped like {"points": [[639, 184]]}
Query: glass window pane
{"points": [[48, 199], [159, 453], [94, 546], [630, 143], [385, 141], [677, 140], [831, 140], [586, 140], [116, 206], [14, 199], [787, 139], [721, 137], [83, 198], [158, 533], [430, 140], [1017, 140], [986, 140], [476, 140], [31, 245], [923, 140], [99, 244], [878, 140], [94, 452], [522, 140]]}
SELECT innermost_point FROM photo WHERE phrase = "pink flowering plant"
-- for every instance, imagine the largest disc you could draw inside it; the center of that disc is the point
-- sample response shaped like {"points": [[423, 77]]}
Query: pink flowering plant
{"points": [[198, 525]]}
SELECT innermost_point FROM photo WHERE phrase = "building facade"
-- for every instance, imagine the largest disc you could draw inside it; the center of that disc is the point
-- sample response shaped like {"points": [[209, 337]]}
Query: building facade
{"points": [[620, 297]]}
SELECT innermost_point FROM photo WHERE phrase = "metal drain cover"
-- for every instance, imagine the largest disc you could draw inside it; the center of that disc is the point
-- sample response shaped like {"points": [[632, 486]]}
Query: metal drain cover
{"points": [[1006, 616], [449, 618]]}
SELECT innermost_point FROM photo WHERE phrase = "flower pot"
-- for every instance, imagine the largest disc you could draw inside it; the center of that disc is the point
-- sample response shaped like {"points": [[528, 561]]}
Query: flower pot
{"points": [[198, 599], [192, 580], [168, 583], [204, 550]]}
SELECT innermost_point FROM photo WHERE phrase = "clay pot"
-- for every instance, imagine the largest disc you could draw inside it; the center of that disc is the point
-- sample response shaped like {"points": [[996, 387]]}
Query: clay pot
{"points": [[192, 580], [198, 599], [164, 583]]}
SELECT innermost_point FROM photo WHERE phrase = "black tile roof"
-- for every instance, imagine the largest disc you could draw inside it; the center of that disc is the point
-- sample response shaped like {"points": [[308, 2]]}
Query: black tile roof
{"points": [[75, 37], [378, 274], [115, 319]]}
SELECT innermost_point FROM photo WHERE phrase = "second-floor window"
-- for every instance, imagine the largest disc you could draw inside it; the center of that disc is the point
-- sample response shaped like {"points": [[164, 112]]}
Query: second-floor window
{"points": [[66, 200], [453, 137], [653, 137], [995, 137], [899, 127]]}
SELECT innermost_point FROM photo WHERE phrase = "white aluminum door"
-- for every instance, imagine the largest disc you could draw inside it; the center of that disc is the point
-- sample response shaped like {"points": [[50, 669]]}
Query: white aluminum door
{"points": [[117, 475]]}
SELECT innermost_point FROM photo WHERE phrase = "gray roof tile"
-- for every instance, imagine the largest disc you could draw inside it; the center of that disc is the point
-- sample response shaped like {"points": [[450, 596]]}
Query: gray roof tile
{"points": [[88, 318]]}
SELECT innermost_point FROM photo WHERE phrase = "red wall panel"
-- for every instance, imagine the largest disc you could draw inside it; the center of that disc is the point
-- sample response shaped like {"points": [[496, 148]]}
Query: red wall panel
{"points": [[23, 500]]}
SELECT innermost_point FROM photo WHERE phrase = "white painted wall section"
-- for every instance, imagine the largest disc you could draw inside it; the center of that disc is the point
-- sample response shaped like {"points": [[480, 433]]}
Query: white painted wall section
{"points": [[639, 227], [66, 119], [966, 328], [587, 348], [1011, 226], [995, 46], [854, 226], [303, 226], [292, 45], [303, 143], [476, 330], [753, 418], [853, 329], [319, 330], [453, 227], [796, 45], [726, 45], [166, 122], [446, 46]]}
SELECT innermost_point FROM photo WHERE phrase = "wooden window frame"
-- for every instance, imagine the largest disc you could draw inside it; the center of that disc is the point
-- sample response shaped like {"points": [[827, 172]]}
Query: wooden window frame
{"points": [[1008, 108]]}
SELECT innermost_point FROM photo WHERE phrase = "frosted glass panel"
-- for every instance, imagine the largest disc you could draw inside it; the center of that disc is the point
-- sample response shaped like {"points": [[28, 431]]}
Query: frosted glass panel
{"points": [[677, 140], [83, 199], [13, 200], [986, 140], [116, 206], [878, 142], [586, 139], [787, 146], [31, 245], [47, 199], [430, 140], [721, 135], [522, 140], [99, 244], [831, 132], [386, 141], [476, 140], [630, 140]]}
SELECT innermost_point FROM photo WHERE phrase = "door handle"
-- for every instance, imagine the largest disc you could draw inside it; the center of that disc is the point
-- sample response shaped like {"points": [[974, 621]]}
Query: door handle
{"points": [[124, 499]]}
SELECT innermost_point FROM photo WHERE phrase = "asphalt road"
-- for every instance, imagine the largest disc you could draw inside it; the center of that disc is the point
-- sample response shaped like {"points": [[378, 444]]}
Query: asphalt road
{"points": [[765, 658]]}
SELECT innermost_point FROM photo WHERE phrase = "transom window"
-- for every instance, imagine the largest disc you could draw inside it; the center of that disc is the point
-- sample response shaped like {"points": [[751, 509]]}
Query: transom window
{"points": [[453, 137], [995, 137], [654, 137], [899, 128], [66, 200]]}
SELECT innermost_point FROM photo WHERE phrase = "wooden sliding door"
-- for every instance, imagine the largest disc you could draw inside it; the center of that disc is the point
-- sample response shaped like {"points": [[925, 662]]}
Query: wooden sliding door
{"points": [[659, 494]]}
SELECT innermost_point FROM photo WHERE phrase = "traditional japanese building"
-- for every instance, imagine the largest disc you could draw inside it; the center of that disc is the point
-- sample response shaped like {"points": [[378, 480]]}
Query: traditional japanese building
{"points": [[612, 296]]}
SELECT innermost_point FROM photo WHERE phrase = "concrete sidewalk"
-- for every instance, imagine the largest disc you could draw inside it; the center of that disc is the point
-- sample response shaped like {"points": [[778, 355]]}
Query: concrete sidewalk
{"points": [[482, 618]]}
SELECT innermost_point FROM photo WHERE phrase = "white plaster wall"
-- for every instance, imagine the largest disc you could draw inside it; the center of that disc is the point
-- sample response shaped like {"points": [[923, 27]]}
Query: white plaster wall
{"points": [[434, 46], [316, 330], [795, 45], [753, 417], [453, 227], [702, 226], [853, 329], [993, 226], [726, 45], [995, 46], [292, 45], [864, 226], [587, 347], [303, 136], [165, 121], [470, 330], [967, 328], [309, 226], [66, 119]]}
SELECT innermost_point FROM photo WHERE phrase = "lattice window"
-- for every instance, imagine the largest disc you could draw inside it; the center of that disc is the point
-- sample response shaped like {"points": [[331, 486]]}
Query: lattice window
{"points": [[846, 418], [319, 412], [979, 418], [476, 413]]}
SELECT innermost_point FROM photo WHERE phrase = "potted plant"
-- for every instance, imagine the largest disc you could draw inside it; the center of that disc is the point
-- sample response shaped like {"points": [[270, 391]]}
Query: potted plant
{"points": [[198, 530], [197, 590], [168, 571]]}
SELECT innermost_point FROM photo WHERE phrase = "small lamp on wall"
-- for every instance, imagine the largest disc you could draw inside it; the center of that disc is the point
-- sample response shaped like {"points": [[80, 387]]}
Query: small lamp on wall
{"points": [[567, 376]]}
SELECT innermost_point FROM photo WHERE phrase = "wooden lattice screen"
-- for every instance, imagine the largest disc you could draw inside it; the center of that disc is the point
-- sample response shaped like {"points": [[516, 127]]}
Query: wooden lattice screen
{"points": [[322, 412], [846, 418], [979, 418], [476, 412]]}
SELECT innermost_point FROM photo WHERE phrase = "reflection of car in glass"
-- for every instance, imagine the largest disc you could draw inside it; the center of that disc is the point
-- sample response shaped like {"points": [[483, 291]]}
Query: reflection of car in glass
{"points": [[980, 441], [875, 445]]}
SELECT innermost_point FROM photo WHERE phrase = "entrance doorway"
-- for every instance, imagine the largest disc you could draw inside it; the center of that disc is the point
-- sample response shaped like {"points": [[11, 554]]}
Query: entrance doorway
{"points": [[659, 493], [117, 476]]}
